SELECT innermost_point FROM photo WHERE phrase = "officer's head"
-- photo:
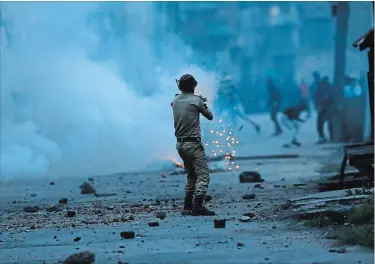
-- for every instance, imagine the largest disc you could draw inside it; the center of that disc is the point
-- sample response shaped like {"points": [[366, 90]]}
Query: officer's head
{"points": [[187, 83], [316, 75]]}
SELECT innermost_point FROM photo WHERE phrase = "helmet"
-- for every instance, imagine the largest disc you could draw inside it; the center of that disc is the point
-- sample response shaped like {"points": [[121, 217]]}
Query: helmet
{"points": [[187, 83]]}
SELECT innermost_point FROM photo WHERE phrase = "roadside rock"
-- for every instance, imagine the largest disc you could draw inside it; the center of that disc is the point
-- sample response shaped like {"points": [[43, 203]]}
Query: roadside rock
{"points": [[127, 235], [31, 209], [250, 176], [160, 215], [244, 219], [251, 215], [153, 224], [86, 188], [85, 257], [340, 250], [240, 244], [63, 201], [70, 213], [104, 194], [299, 184], [219, 223], [249, 196]]}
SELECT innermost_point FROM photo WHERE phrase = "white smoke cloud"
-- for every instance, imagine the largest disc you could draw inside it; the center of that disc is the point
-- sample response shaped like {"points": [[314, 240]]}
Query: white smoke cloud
{"points": [[63, 113]]}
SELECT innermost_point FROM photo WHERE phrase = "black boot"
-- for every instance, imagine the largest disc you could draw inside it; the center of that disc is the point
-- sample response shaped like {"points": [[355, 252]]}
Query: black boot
{"points": [[188, 204], [199, 209]]}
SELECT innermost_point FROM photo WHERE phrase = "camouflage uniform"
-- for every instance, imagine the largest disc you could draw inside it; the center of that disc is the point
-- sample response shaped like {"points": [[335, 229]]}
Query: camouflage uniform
{"points": [[187, 108]]}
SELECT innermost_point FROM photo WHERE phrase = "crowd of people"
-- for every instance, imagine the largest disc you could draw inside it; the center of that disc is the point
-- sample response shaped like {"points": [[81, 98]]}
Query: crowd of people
{"points": [[319, 94], [291, 112]]}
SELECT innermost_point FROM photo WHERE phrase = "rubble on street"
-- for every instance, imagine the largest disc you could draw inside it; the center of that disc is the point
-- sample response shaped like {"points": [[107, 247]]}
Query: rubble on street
{"points": [[142, 213]]}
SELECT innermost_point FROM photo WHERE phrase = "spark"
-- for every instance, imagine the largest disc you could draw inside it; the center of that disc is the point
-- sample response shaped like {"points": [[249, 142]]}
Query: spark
{"points": [[223, 142]]}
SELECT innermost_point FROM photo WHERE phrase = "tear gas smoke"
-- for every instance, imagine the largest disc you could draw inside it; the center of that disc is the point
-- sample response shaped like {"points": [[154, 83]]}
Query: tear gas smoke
{"points": [[72, 100]]}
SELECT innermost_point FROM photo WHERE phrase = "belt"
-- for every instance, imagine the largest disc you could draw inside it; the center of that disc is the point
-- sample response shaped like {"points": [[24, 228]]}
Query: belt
{"points": [[188, 139]]}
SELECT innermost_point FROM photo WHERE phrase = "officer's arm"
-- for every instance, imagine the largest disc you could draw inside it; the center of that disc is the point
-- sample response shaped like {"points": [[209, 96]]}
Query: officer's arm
{"points": [[205, 111]]}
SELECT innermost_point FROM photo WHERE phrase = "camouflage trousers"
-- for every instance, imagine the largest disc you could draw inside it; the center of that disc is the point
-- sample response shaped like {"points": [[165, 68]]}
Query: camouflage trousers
{"points": [[195, 162]]}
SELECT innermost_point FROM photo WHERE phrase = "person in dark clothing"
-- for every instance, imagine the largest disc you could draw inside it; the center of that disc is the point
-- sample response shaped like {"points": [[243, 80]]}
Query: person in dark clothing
{"points": [[291, 119], [323, 101], [274, 104], [315, 85]]}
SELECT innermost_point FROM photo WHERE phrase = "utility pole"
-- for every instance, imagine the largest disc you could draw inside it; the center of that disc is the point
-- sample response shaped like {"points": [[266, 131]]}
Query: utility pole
{"points": [[341, 11]]}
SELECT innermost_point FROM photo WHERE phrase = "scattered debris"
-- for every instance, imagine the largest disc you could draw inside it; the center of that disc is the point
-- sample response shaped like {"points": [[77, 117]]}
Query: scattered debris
{"points": [[33, 195], [127, 235], [245, 219], [54, 208], [251, 215], [70, 213], [334, 215], [250, 176], [63, 201], [240, 244], [104, 194], [86, 188], [52, 183], [363, 191], [299, 184], [248, 196], [219, 223], [332, 185], [31, 209], [340, 250], [85, 257], [110, 207], [160, 215], [333, 205], [152, 224], [258, 186], [77, 239]]}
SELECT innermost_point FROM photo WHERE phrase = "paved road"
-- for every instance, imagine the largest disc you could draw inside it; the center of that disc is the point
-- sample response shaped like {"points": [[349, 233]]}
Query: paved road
{"points": [[178, 239]]}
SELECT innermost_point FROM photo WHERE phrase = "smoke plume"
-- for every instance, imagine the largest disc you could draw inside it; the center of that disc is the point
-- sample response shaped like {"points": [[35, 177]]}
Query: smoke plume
{"points": [[82, 96]]}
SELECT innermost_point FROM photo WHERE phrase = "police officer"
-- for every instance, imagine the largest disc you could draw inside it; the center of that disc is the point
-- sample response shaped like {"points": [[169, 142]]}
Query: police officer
{"points": [[187, 108]]}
